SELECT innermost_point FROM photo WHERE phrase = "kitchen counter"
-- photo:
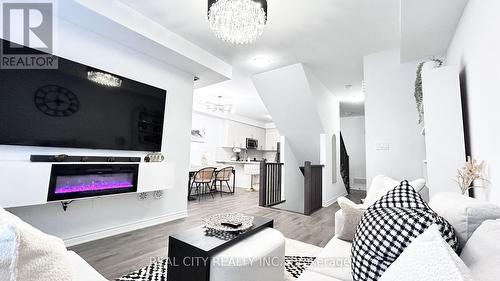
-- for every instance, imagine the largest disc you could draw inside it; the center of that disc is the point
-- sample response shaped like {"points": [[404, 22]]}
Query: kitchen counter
{"points": [[238, 162], [245, 171]]}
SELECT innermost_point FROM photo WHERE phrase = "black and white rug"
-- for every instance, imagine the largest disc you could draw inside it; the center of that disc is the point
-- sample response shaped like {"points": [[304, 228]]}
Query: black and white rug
{"points": [[299, 257], [294, 266]]}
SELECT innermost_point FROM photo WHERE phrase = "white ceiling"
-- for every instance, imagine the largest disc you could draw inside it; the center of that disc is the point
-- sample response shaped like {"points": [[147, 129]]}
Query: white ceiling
{"points": [[328, 36], [240, 92], [427, 26]]}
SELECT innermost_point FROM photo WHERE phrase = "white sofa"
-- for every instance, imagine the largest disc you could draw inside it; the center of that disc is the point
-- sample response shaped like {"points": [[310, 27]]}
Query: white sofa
{"points": [[379, 187], [24, 248], [27, 254], [465, 214], [82, 270], [258, 257]]}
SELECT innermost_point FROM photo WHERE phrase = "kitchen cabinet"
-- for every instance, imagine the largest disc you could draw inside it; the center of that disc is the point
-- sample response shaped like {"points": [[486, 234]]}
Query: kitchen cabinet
{"points": [[272, 138], [237, 133]]}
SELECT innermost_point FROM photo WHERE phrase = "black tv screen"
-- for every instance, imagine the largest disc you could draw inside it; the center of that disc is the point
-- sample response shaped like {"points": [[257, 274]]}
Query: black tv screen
{"points": [[79, 107]]}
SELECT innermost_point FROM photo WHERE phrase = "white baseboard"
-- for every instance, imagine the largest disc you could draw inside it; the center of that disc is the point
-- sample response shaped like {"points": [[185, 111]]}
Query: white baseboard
{"points": [[100, 234], [328, 203]]}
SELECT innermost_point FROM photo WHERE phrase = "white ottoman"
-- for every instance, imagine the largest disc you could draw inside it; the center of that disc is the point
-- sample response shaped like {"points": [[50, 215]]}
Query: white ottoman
{"points": [[256, 258]]}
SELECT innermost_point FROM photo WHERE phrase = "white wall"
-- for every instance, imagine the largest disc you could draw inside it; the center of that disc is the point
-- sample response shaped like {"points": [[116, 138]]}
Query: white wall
{"points": [[214, 128], [391, 118], [475, 48], [287, 96], [328, 108], [282, 90], [292, 179], [353, 132], [95, 218]]}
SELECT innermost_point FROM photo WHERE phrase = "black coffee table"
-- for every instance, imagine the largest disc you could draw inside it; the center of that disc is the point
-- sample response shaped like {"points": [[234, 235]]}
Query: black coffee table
{"points": [[190, 252]]}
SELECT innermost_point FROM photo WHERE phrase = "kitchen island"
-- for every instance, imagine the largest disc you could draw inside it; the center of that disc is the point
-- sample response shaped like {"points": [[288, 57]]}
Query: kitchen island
{"points": [[247, 173]]}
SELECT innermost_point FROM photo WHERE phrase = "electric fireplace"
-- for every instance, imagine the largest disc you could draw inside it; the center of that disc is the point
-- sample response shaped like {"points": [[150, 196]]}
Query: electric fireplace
{"points": [[72, 181]]}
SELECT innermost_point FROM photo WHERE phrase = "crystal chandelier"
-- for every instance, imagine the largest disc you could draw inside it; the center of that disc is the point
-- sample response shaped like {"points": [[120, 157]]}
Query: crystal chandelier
{"points": [[237, 21], [219, 106], [103, 78]]}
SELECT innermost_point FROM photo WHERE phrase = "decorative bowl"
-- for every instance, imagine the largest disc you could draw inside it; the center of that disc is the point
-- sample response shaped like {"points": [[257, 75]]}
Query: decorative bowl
{"points": [[215, 222]]}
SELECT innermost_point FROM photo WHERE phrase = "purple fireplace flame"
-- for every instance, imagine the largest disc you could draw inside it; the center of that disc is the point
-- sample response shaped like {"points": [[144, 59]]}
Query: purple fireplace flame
{"points": [[86, 183]]}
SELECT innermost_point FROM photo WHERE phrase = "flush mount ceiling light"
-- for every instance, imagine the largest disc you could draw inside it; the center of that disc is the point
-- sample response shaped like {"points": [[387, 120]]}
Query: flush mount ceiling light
{"points": [[237, 21], [103, 78], [219, 106]]}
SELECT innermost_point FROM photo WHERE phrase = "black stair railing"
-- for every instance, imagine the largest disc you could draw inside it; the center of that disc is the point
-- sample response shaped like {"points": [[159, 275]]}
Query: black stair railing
{"points": [[270, 187], [344, 165], [313, 187]]}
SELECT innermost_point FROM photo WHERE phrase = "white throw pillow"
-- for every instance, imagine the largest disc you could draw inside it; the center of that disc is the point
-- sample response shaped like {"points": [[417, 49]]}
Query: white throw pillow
{"points": [[428, 258], [465, 214], [352, 216], [31, 255], [8, 253], [382, 184], [482, 252]]}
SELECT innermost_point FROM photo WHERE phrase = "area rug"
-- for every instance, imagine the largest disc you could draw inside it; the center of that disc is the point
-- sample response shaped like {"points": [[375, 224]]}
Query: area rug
{"points": [[298, 257]]}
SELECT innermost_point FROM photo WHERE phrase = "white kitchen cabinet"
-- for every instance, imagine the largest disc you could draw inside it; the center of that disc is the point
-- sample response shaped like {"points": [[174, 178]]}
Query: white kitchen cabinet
{"points": [[272, 138], [237, 134]]}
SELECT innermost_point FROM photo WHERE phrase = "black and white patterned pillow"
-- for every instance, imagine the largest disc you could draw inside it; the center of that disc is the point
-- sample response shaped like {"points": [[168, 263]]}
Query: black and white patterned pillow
{"points": [[388, 227]]}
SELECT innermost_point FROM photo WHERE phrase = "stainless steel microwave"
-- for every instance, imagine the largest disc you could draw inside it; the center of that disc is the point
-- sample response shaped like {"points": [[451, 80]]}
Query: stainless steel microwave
{"points": [[252, 143]]}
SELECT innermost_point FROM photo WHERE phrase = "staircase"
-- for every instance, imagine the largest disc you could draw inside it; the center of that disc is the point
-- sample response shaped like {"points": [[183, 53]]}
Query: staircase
{"points": [[344, 165], [307, 115]]}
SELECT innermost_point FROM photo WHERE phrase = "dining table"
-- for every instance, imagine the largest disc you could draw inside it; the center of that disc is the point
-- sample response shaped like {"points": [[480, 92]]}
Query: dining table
{"points": [[195, 168]]}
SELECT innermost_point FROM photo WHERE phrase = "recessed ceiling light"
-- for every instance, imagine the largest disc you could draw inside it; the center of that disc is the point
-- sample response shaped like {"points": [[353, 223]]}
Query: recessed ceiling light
{"points": [[261, 61]]}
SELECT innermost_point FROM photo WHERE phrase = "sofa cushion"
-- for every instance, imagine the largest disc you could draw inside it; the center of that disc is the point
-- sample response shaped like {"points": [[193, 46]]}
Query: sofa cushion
{"points": [[388, 227], [8, 252], [481, 253], [334, 261], [464, 213], [34, 255], [82, 270], [352, 215], [258, 257], [428, 258]]}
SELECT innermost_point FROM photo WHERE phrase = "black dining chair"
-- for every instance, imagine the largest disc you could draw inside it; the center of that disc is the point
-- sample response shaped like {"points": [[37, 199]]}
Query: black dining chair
{"points": [[223, 176], [202, 181]]}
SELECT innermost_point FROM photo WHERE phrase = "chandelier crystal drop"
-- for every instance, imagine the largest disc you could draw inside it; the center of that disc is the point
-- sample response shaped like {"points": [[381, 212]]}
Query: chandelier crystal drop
{"points": [[237, 21], [104, 79]]}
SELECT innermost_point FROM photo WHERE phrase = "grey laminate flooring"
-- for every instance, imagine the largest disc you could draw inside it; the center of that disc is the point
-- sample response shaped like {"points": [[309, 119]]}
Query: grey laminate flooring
{"points": [[116, 256]]}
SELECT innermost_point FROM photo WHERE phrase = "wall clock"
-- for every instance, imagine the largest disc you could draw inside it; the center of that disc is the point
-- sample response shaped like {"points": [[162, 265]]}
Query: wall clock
{"points": [[56, 101]]}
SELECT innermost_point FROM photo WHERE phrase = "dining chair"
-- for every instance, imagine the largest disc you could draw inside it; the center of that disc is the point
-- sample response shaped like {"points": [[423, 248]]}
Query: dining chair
{"points": [[203, 179], [223, 176]]}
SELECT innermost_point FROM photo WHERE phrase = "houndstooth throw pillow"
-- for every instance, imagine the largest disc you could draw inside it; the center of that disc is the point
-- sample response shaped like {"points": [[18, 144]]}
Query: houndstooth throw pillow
{"points": [[388, 227]]}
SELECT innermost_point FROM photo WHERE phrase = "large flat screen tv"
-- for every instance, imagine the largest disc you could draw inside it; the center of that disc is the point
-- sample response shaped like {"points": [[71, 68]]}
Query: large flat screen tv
{"points": [[79, 106]]}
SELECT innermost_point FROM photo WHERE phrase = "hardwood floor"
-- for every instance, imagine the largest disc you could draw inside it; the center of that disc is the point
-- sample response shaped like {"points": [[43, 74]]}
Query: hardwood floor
{"points": [[116, 256]]}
